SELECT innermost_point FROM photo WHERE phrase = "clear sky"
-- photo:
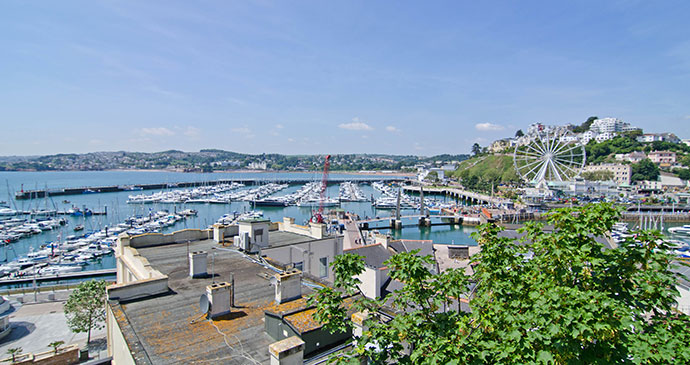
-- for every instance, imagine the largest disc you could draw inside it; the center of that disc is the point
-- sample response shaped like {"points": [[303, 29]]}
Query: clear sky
{"points": [[398, 77]]}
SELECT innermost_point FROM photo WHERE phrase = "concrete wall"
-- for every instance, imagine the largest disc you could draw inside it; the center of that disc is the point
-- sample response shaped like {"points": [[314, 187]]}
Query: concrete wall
{"points": [[157, 239], [222, 233], [314, 340], [117, 346], [138, 289], [684, 300], [309, 254], [313, 230], [67, 355], [135, 276], [372, 281], [288, 225], [132, 267]]}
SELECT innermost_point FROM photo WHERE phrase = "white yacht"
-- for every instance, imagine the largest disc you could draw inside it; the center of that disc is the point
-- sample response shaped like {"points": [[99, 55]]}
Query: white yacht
{"points": [[684, 230], [7, 212]]}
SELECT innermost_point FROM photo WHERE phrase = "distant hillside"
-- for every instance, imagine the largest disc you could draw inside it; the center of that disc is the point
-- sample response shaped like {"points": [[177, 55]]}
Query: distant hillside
{"points": [[217, 160]]}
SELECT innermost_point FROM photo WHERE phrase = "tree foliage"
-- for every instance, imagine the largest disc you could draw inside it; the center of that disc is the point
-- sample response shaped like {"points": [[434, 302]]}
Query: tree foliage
{"points": [[670, 146], [14, 352], [682, 173], [685, 161], [480, 174], [584, 127], [602, 175], [519, 133], [476, 149], [645, 170], [55, 345], [598, 152], [85, 307], [557, 297]]}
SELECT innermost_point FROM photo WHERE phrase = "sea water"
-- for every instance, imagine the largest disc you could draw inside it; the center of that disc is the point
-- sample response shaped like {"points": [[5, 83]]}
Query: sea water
{"points": [[119, 210]]}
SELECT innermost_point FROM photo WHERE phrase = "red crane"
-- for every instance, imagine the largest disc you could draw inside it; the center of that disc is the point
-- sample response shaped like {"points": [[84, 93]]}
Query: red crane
{"points": [[318, 217]]}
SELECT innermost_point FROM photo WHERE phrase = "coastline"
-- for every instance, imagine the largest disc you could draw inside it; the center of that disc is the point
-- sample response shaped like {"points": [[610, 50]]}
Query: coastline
{"points": [[363, 173]]}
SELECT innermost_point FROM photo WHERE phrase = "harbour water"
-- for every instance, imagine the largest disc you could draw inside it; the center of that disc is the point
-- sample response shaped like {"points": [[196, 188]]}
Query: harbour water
{"points": [[118, 209]]}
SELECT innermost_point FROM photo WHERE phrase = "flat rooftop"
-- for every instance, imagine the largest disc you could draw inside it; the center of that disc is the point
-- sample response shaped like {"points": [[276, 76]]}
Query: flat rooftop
{"points": [[159, 329], [281, 238]]}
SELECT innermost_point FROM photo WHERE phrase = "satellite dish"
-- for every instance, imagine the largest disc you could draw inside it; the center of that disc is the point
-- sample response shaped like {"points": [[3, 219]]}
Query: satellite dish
{"points": [[273, 280], [204, 304]]}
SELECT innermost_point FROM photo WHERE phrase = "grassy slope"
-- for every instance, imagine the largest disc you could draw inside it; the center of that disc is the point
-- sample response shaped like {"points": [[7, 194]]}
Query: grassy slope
{"points": [[489, 165]]}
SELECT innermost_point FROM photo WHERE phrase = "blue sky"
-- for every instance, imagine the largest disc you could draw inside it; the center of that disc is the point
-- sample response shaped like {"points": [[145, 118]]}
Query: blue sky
{"points": [[397, 77]]}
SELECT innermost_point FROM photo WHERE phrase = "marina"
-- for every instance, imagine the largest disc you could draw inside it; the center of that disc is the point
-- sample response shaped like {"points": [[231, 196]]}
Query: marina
{"points": [[58, 278], [85, 240], [294, 179]]}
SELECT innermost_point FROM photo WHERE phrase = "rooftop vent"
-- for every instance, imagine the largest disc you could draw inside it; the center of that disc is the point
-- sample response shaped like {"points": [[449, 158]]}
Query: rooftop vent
{"points": [[219, 298], [288, 285], [197, 264]]}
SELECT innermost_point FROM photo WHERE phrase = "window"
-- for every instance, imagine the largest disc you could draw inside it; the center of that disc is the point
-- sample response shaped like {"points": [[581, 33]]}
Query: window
{"points": [[258, 233], [299, 265], [323, 267]]}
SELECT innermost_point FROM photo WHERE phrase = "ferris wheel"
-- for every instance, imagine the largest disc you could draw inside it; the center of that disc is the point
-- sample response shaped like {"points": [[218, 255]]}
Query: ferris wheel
{"points": [[549, 156]]}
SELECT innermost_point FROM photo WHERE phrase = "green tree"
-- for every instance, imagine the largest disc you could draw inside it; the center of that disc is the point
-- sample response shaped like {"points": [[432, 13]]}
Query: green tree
{"points": [[603, 175], [55, 345], [645, 170], [14, 352], [476, 149], [432, 176], [85, 307], [584, 127], [519, 133], [557, 297], [633, 133], [682, 173], [685, 161]]}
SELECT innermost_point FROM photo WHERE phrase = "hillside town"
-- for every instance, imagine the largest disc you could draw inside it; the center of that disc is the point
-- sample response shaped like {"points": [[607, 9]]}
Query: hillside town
{"points": [[604, 158]]}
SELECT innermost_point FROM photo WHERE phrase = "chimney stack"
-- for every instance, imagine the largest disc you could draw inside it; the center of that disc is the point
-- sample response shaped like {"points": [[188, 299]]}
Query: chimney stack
{"points": [[197, 264], [289, 351], [288, 286], [219, 296]]}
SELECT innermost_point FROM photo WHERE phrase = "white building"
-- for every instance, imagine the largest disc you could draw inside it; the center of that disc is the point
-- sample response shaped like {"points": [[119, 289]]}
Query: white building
{"points": [[601, 137], [499, 145], [621, 173], [257, 165], [587, 136], [610, 125], [570, 138], [649, 185], [670, 181], [649, 137], [536, 128], [663, 157], [605, 129], [633, 157]]}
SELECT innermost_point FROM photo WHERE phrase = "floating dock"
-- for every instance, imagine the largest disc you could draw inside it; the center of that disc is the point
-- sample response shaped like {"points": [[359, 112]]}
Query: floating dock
{"points": [[67, 276]]}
